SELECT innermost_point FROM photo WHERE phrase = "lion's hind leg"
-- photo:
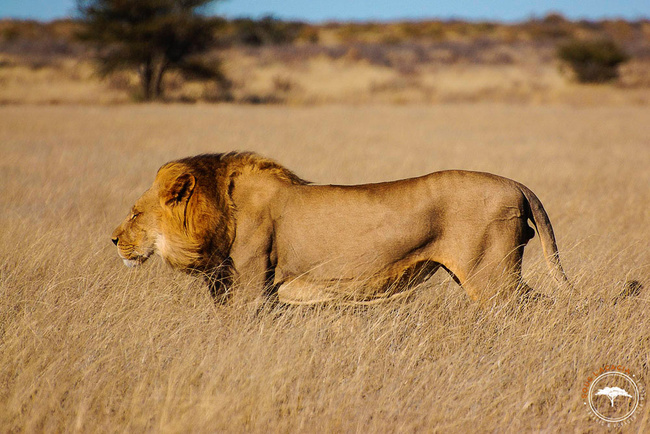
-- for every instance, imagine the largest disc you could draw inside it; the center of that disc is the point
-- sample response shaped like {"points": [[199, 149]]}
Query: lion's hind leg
{"points": [[497, 275], [491, 270]]}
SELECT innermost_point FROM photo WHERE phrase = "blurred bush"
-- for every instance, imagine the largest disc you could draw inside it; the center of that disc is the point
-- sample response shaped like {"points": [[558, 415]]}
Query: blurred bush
{"points": [[593, 61], [270, 31]]}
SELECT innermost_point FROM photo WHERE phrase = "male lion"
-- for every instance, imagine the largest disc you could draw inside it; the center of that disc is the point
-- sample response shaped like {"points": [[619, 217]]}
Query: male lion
{"points": [[242, 220]]}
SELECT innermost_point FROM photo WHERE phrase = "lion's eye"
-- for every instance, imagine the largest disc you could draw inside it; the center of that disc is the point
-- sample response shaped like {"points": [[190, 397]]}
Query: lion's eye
{"points": [[134, 215]]}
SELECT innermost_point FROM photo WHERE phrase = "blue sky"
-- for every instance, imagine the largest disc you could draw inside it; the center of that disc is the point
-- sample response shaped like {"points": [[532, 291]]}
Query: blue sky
{"points": [[310, 10]]}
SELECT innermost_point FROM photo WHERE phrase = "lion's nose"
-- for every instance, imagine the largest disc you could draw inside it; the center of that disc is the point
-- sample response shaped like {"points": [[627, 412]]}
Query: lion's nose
{"points": [[115, 240]]}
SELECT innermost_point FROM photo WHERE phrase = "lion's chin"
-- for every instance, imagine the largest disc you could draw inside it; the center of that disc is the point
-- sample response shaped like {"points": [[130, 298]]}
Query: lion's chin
{"points": [[131, 263]]}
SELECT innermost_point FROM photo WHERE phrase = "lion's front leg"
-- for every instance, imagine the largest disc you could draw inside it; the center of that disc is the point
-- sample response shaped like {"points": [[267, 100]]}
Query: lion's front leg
{"points": [[251, 259], [220, 282], [253, 273], [253, 280]]}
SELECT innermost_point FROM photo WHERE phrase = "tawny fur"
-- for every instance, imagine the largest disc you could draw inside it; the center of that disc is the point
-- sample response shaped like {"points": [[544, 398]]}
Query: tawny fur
{"points": [[244, 221]]}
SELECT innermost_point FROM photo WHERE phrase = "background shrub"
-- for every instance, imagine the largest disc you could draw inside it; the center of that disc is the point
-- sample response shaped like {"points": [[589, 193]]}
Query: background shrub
{"points": [[593, 61]]}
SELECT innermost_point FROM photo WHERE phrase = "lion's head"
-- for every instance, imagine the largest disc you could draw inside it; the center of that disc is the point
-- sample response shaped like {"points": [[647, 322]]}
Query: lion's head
{"points": [[187, 215], [138, 237]]}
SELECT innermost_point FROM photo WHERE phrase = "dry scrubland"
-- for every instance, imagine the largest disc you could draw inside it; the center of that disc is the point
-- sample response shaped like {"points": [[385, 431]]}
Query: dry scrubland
{"points": [[87, 345], [301, 64], [356, 74]]}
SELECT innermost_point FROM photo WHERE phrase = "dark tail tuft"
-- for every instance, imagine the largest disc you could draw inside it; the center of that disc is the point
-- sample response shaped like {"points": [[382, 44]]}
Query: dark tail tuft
{"points": [[632, 288]]}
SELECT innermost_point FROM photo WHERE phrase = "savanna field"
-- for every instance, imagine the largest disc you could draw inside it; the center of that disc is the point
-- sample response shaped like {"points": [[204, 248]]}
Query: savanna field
{"points": [[88, 345]]}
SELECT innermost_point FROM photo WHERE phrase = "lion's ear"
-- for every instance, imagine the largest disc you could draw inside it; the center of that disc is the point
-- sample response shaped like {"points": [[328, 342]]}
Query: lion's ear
{"points": [[178, 190]]}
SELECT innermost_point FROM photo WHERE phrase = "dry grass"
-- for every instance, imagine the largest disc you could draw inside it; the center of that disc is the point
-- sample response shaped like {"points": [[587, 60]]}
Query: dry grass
{"points": [[66, 81], [263, 76], [87, 345], [418, 73]]}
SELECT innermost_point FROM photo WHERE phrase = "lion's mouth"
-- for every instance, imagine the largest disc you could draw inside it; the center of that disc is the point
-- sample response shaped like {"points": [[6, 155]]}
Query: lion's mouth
{"points": [[133, 260]]}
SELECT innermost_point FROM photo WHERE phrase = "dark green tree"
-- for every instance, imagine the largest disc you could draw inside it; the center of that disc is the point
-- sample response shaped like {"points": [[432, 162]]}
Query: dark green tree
{"points": [[154, 36]]}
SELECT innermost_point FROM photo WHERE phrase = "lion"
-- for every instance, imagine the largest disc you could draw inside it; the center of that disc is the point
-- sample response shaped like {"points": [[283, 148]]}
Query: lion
{"points": [[244, 221]]}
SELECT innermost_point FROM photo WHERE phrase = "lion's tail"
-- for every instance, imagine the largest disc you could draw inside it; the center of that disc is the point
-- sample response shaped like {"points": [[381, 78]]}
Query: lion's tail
{"points": [[545, 231]]}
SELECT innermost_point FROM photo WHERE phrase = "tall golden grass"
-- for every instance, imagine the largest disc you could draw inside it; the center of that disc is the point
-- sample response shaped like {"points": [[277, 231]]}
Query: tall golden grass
{"points": [[87, 345]]}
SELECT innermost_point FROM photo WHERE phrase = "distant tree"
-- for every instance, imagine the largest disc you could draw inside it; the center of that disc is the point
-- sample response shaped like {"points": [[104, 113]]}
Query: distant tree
{"points": [[593, 61], [154, 36]]}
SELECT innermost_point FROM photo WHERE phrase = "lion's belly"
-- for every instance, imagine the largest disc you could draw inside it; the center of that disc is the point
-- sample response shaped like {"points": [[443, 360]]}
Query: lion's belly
{"points": [[351, 236]]}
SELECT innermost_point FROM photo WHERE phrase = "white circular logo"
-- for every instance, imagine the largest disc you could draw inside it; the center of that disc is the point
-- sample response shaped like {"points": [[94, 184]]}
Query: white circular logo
{"points": [[614, 396]]}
